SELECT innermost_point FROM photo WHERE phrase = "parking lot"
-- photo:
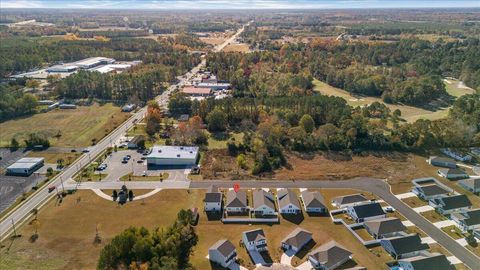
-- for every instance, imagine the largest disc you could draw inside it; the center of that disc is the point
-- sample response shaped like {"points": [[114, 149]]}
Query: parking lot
{"points": [[116, 168], [12, 187]]}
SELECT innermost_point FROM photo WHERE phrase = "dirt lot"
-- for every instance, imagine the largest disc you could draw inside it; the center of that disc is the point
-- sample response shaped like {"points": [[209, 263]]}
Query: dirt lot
{"points": [[66, 231], [237, 48]]}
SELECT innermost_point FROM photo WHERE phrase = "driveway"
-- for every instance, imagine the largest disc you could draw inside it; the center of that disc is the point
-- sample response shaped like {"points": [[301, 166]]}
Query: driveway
{"points": [[305, 266], [405, 195], [444, 223], [286, 258], [370, 185], [424, 208], [256, 257]]}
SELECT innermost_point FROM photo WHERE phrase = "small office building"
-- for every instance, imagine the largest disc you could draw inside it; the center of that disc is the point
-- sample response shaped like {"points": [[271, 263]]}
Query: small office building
{"points": [[25, 166], [166, 155]]}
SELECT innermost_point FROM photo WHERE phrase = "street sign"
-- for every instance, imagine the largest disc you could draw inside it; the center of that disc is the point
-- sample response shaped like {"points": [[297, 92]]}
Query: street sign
{"points": [[236, 187]]}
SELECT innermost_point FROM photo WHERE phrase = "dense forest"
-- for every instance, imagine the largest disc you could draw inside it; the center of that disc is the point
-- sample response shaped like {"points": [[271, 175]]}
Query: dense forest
{"points": [[409, 71], [138, 248], [22, 54]]}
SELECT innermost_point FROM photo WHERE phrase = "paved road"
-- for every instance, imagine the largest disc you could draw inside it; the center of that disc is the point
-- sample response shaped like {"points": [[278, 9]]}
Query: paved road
{"points": [[39, 198]]}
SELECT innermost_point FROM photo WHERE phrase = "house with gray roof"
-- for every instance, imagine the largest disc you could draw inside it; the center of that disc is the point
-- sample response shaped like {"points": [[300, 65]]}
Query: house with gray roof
{"points": [[366, 211], [468, 220], [222, 253], [288, 202], [255, 240], [313, 202], [236, 202], [453, 173], [263, 202], [429, 192], [426, 261], [329, 256], [472, 184], [296, 240], [213, 201], [450, 204], [348, 200], [384, 227], [403, 246], [442, 162]]}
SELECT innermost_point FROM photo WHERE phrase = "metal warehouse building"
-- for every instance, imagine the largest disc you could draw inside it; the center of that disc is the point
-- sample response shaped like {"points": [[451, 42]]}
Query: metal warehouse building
{"points": [[173, 155], [25, 166]]}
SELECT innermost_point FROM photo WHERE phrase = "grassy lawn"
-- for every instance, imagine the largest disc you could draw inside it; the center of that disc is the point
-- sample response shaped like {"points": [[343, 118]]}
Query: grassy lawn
{"points": [[66, 231], [51, 157], [453, 231], [433, 216], [219, 141], [456, 89], [130, 177], [409, 113], [414, 202], [364, 234], [77, 127]]}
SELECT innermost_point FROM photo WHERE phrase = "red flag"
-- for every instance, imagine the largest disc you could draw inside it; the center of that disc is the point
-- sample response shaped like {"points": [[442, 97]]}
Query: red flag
{"points": [[236, 187]]}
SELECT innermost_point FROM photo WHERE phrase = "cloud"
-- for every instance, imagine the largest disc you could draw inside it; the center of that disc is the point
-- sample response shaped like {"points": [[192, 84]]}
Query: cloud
{"points": [[20, 4]]}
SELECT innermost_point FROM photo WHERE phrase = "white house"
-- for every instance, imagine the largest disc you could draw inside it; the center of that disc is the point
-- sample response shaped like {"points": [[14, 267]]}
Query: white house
{"points": [[255, 240], [288, 202], [366, 211], [313, 202], [468, 220], [213, 202], [456, 154], [453, 174], [426, 260], [451, 204], [223, 253], [403, 246], [263, 203]]}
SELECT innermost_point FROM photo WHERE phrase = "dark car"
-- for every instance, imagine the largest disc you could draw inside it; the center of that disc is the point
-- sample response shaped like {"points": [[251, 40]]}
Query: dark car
{"points": [[51, 188]]}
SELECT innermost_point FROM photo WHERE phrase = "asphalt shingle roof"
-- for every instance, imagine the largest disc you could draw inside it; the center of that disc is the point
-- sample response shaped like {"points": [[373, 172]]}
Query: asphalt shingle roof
{"points": [[385, 225], [454, 202], [406, 244], [298, 237], [313, 199], [470, 217], [330, 254], [368, 210], [435, 261], [254, 235], [224, 246], [261, 197], [236, 199], [213, 197], [287, 196], [354, 198], [432, 189]]}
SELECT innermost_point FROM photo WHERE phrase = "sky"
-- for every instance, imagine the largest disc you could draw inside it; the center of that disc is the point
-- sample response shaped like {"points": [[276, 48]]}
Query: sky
{"points": [[235, 4]]}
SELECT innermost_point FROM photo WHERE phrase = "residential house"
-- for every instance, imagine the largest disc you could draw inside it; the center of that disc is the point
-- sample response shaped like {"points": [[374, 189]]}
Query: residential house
{"points": [[453, 174], [223, 253], [442, 162], [468, 220], [255, 240], [236, 202], [296, 240], [426, 261], [329, 256], [472, 185], [384, 227], [313, 202], [213, 200], [288, 202], [450, 204], [366, 211], [263, 203], [349, 200], [429, 192], [456, 154], [403, 246]]}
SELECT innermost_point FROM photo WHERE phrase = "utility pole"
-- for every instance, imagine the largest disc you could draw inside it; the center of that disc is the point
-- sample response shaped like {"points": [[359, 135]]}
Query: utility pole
{"points": [[14, 230]]}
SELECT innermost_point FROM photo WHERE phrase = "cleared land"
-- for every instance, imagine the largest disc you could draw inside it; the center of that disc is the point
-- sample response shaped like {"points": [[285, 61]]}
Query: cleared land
{"points": [[77, 127], [66, 231], [241, 47], [409, 113]]}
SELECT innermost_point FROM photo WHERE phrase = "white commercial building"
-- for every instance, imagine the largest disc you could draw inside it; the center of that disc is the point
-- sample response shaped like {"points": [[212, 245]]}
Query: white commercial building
{"points": [[25, 166], [164, 155]]}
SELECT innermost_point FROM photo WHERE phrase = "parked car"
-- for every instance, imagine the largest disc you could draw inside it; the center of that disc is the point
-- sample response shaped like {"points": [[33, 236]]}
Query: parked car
{"points": [[51, 188], [124, 161], [139, 161], [128, 157], [102, 167], [86, 150]]}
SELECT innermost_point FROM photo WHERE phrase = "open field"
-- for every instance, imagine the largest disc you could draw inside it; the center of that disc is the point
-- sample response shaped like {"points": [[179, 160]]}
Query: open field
{"points": [[409, 113], [220, 142], [66, 231], [51, 157], [241, 47], [77, 127]]}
